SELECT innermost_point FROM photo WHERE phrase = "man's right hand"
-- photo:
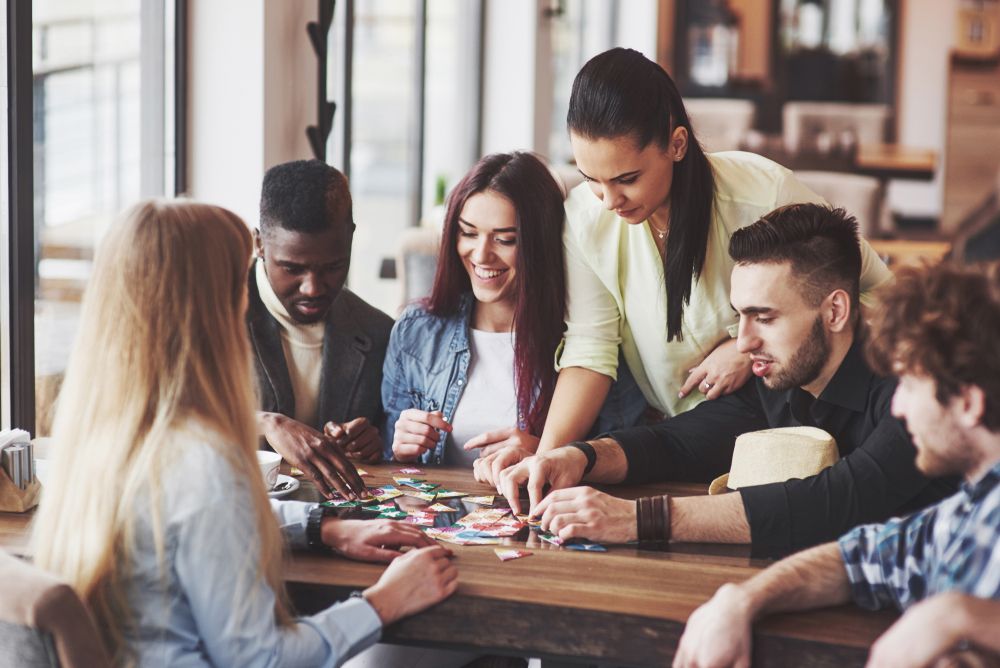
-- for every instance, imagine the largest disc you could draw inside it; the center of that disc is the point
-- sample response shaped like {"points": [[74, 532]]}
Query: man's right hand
{"points": [[415, 433], [309, 450], [718, 633], [559, 468]]}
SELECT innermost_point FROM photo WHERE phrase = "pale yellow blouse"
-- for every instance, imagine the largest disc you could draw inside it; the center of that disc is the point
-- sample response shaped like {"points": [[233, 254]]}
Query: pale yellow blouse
{"points": [[615, 285]]}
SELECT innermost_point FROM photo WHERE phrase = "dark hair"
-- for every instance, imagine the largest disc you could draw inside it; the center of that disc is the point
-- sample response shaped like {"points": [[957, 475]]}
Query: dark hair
{"points": [[540, 287], [305, 196], [820, 243], [942, 321], [621, 93]]}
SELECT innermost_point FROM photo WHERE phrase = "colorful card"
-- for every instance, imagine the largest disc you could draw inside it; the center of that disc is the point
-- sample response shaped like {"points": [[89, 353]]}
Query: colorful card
{"points": [[384, 493], [340, 503], [363, 473], [423, 496], [421, 486], [410, 471], [550, 538], [481, 500], [507, 554], [448, 494], [383, 508], [441, 508], [405, 480], [585, 546], [422, 519], [393, 515], [298, 473]]}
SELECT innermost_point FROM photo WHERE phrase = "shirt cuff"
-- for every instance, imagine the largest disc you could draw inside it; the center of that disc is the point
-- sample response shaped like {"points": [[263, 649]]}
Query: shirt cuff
{"points": [[769, 517], [347, 628], [292, 517]]}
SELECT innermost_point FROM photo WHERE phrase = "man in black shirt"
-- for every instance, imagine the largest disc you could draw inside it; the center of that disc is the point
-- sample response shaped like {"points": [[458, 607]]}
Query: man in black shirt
{"points": [[795, 286]]}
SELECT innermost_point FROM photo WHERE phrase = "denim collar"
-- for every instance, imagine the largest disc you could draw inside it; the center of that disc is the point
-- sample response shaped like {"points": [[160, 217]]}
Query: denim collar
{"points": [[979, 489]]}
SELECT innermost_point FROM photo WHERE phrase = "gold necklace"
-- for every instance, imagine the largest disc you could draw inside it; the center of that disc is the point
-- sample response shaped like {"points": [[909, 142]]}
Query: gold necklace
{"points": [[660, 234]]}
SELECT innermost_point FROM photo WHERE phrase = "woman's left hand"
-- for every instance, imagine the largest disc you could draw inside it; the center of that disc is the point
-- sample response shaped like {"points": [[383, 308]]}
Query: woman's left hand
{"points": [[722, 372]]}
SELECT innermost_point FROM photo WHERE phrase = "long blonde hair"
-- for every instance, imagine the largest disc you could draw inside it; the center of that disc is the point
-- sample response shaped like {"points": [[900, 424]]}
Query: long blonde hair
{"points": [[162, 341]]}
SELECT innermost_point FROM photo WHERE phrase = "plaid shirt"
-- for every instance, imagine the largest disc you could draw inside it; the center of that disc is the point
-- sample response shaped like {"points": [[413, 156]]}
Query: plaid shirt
{"points": [[954, 545]]}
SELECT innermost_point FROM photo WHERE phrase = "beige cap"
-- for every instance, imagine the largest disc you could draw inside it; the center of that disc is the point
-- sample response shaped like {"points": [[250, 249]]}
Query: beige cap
{"points": [[776, 455]]}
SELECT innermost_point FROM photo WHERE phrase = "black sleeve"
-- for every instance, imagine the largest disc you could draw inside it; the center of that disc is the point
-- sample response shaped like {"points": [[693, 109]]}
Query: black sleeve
{"points": [[870, 484], [696, 446]]}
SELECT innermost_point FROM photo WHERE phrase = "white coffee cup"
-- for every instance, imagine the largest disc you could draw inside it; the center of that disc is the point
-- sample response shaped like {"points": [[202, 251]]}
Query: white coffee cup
{"points": [[269, 462]]}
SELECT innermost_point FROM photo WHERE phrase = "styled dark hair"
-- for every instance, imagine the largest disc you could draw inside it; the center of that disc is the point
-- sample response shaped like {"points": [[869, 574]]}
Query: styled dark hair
{"points": [[305, 196], [942, 321], [820, 243], [540, 282], [621, 93]]}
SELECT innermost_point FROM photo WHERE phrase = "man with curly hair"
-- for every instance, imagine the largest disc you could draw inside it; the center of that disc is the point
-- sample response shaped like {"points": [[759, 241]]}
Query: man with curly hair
{"points": [[936, 328]]}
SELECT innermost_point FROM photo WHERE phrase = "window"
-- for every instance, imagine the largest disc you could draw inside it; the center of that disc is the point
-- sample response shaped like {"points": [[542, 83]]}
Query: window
{"points": [[103, 108], [405, 76]]}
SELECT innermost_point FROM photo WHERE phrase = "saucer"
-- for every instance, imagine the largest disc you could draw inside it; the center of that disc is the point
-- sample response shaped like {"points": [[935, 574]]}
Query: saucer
{"points": [[294, 485]]}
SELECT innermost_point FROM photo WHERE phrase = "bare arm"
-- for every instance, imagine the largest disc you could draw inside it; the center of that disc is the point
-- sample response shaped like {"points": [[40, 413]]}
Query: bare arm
{"points": [[719, 632], [709, 519], [577, 400]]}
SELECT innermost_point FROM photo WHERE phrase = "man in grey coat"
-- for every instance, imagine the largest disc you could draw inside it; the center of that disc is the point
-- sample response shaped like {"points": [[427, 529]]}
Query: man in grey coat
{"points": [[318, 347]]}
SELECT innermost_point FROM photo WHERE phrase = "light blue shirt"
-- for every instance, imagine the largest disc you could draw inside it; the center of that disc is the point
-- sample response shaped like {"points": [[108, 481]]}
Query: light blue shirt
{"points": [[205, 607]]}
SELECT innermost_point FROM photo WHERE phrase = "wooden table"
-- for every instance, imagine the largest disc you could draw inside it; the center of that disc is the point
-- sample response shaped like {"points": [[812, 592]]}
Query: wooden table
{"points": [[625, 607]]}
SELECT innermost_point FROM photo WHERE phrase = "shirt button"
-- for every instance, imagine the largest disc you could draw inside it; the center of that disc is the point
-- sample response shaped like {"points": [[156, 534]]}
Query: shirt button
{"points": [[460, 382]]}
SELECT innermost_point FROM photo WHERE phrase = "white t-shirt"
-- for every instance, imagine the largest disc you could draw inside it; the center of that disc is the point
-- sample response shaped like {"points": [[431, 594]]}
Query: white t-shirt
{"points": [[489, 401]]}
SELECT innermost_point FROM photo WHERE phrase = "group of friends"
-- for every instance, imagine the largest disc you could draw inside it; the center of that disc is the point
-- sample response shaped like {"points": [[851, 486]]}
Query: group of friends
{"points": [[625, 332]]}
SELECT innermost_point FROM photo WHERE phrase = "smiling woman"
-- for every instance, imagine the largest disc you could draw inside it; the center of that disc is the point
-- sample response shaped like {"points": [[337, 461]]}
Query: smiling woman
{"points": [[470, 369]]}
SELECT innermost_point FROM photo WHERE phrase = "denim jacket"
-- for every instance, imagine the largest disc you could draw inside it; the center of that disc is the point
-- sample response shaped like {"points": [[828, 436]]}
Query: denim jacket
{"points": [[427, 365]]}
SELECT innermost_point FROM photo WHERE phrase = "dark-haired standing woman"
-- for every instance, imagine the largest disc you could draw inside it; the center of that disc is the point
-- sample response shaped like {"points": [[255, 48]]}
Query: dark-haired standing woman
{"points": [[645, 243]]}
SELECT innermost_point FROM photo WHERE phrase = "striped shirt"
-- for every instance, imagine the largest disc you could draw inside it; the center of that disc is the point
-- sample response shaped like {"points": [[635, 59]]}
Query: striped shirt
{"points": [[952, 546]]}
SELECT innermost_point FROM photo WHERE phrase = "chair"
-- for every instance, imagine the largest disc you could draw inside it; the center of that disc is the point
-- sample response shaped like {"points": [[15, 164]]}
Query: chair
{"points": [[43, 622], [861, 196], [720, 124], [804, 122]]}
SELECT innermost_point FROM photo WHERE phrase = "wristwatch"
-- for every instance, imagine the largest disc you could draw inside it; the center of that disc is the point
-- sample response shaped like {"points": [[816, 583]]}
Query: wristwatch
{"points": [[588, 450], [314, 525]]}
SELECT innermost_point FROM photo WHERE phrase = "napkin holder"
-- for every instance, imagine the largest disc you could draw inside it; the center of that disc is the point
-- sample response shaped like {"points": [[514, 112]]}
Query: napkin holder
{"points": [[13, 499]]}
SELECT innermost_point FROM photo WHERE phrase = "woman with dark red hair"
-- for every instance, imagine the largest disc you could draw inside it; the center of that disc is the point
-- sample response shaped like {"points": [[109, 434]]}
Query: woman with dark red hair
{"points": [[470, 369]]}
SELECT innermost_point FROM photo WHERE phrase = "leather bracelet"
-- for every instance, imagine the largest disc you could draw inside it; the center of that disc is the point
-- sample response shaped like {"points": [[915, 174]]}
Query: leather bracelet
{"points": [[653, 519], [588, 450]]}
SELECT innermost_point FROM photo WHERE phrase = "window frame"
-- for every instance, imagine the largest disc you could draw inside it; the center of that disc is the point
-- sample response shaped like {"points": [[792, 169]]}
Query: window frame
{"points": [[17, 322]]}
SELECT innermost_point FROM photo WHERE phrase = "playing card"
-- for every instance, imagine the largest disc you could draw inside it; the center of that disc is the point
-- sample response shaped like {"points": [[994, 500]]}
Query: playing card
{"points": [[393, 515], [449, 494], [405, 480], [384, 493], [423, 496], [421, 486], [423, 519], [481, 500], [550, 538], [362, 472], [340, 503], [441, 508], [507, 554], [410, 471], [585, 546]]}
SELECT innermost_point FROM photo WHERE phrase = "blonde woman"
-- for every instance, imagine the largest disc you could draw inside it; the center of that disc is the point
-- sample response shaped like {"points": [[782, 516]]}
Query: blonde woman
{"points": [[156, 511]]}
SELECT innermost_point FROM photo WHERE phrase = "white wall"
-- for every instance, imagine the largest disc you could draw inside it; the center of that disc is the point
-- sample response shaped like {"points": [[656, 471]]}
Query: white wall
{"points": [[927, 32], [252, 92]]}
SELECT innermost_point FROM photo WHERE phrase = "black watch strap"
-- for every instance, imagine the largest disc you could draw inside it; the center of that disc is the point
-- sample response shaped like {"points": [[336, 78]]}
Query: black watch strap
{"points": [[588, 450], [314, 525]]}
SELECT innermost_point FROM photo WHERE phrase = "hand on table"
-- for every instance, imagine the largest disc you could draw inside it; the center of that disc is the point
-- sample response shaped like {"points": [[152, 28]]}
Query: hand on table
{"points": [[559, 468], [924, 633], [722, 372], [583, 512], [358, 439], [371, 540], [416, 432], [493, 441], [487, 468], [314, 453], [718, 634], [415, 581]]}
